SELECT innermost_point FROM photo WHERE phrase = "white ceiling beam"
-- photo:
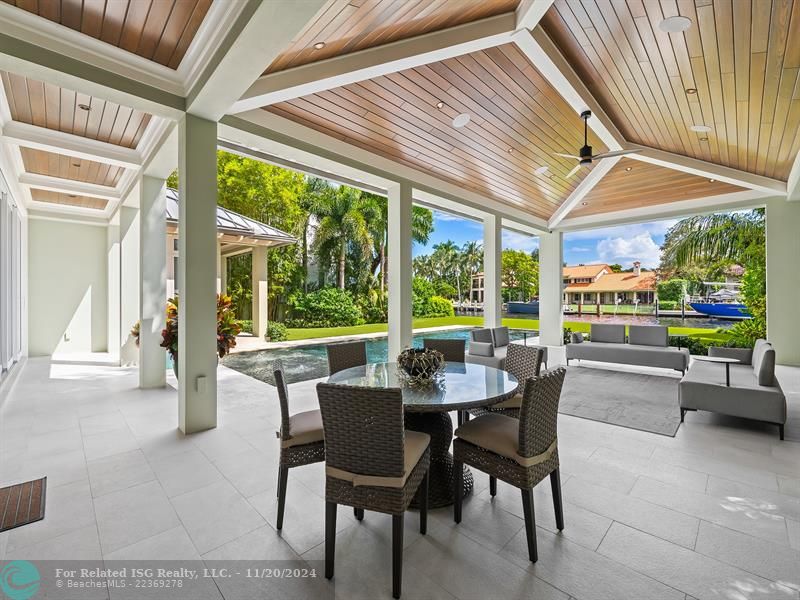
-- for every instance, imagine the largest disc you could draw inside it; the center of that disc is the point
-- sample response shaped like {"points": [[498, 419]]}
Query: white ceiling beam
{"points": [[671, 210], [40, 138], [260, 34], [709, 170], [374, 62], [549, 61], [68, 186], [584, 187], [530, 12], [265, 131], [793, 183]]}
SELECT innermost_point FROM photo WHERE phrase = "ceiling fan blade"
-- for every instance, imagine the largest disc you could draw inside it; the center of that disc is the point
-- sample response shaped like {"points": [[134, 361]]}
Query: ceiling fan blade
{"points": [[615, 153], [575, 170], [567, 155]]}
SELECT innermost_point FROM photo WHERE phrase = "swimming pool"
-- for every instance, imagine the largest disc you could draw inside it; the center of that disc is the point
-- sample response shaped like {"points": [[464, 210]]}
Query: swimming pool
{"points": [[310, 362]]}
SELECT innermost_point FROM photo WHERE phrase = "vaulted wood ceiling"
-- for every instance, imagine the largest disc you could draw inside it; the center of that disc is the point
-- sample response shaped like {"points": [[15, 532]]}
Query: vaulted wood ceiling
{"points": [[75, 200], [158, 30], [636, 184], [69, 167], [741, 57], [47, 105], [345, 26], [518, 120]]}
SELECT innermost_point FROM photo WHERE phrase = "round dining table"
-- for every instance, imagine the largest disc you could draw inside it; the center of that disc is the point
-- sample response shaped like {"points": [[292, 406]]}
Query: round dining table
{"points": [[461, 386]]}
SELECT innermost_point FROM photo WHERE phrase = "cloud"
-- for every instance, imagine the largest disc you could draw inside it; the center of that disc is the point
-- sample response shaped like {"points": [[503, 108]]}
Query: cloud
{"points": [[518, 241], [626, 250], [439, 215], [580, 249], [654, 229]]}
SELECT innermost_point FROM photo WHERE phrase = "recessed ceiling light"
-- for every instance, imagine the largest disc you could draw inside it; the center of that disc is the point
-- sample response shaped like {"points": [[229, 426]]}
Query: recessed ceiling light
{"points": [[72, 195], [541, 170], [691, 90], [711, 180], [319, 45], [675, 24], [440, 105], [461, 120], [700, 128], [584, 204], [628, 168], [510, 150], [703, 139], [75, 164], [84, 107]]}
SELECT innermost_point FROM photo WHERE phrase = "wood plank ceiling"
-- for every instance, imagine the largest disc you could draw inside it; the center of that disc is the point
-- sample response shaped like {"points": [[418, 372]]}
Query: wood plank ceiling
{"points": [[345, 26], [47, 105], [75, 200], [158, 30], [636, 184], [518, 120], [69, 167], [736, 69]]}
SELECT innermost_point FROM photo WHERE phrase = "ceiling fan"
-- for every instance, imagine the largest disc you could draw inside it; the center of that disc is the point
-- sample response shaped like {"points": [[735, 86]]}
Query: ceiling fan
{"points": [[585, 154]]}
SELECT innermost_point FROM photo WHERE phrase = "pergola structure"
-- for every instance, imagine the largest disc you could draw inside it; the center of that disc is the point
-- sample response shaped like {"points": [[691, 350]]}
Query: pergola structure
{"points": [[459, 105]]}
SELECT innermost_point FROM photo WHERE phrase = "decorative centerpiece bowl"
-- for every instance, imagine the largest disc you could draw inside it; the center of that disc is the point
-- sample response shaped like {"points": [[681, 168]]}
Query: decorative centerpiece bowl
{"points": [[420, 366]]}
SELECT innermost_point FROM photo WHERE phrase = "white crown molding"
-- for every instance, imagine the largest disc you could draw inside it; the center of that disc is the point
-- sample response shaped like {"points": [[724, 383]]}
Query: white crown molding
{"points": [[41, 212], [584, 187], [68, 186], [530, 12]]}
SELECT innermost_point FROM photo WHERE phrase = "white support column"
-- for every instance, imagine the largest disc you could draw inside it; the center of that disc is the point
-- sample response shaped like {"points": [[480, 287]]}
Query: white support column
{"points": [[197, 249], [260, 291], [492, 271], [399, 268], [129, 223], [113, 270], [222, 270], [551, 281], [153, 281], [783, 279]]}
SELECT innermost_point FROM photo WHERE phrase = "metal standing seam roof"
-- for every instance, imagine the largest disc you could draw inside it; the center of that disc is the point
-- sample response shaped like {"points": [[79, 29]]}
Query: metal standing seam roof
{"points": [[233, 223]]}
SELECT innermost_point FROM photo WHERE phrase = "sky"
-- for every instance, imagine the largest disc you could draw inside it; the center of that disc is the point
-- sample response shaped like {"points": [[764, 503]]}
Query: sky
{"points": [[621, 244]]}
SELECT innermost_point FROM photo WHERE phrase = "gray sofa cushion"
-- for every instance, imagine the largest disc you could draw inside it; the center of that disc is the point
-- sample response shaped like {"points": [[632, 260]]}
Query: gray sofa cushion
{"points": [[576, 337], [743, 355], [758, 352], [481, 348], [766, 370], [500, 336], [481, 335], [612, 334], [498, 361], [648, 335], [630, 354]]}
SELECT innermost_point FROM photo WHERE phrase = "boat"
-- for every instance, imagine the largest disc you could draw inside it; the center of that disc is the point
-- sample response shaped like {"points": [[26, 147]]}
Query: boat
{"points": [[723, 303], [528, 308]]}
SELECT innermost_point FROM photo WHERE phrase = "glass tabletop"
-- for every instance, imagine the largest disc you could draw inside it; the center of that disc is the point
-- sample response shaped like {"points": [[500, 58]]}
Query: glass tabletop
{"points": [[464, 385]]}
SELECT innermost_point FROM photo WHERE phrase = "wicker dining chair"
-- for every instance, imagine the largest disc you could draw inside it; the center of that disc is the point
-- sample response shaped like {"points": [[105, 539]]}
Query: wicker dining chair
{"points": [[301, 436], [521, 452], [523, 362], [453, 350], [345, 355], [372, 463]]}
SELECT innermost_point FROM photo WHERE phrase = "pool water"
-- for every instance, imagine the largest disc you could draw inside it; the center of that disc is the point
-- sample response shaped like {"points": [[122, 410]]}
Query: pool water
{"points": [[311, 362]]}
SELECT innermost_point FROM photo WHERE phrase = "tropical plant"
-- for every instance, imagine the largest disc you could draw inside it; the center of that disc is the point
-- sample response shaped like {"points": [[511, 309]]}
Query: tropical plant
{"points": [[439, 307], [328, 307], [276, 332], [672, 290], [520, 275], [227, 327]]}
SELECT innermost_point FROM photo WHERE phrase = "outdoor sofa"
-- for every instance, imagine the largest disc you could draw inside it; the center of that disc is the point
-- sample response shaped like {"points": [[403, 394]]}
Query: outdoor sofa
{"points": [[645, 345], [488, 347], [754, 392]]}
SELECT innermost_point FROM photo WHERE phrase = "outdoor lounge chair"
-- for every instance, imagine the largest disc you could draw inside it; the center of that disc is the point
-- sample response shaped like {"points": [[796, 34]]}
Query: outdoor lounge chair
{"points": [[523, 362], [453, 350], [346, 355]]}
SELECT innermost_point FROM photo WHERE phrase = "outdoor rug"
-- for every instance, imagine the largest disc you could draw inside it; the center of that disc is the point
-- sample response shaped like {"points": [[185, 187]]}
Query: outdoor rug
{"points": [[22, 503], [634, 400]]}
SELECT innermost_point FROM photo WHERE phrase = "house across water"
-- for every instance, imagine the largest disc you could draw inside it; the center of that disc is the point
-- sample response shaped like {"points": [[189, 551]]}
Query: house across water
{"points": [[598, 284]]}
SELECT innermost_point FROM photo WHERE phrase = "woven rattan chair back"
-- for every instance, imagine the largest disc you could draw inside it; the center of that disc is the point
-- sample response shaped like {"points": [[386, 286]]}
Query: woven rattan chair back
{"points": [[363, 429], [538, 415], [283, 397], [523, 362], [345, 355], [453, 350]]}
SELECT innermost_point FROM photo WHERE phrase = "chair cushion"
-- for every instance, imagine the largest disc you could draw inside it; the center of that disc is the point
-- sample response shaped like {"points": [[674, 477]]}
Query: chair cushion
{"points": [[513, 402], [500, 434], [415, 445], [481, 335], [481, 348], [305, 428], [766, 370], [612, 334], [648, 335], [500, 336], [576, 337]]}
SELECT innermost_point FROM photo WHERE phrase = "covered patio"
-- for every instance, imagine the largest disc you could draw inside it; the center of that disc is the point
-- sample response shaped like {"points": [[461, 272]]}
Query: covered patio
{"points": [[471, 107]]}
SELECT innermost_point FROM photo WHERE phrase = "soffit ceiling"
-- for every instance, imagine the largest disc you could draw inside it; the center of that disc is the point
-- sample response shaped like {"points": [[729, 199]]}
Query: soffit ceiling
{"points": [[158, 30], [70, 167], [346, 26], [47, 105], [518, 120], [737, 55], [74, 200], [636, 184]]}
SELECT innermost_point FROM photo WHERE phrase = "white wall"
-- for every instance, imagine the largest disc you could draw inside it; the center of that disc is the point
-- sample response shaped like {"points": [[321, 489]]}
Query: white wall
{"points": [[67, 287], [783, 279]]}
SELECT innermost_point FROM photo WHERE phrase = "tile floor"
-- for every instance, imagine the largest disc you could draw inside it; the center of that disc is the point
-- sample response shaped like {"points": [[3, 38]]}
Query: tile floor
{"points": [[711, 513]]}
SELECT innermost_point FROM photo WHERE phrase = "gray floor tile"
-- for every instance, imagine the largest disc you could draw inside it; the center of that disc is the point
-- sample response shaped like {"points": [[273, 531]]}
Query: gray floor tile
{"points": [[118, 472]]}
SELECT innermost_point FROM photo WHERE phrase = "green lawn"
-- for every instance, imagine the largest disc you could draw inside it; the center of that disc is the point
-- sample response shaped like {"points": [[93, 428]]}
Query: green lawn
{"points": [[311, 333]]}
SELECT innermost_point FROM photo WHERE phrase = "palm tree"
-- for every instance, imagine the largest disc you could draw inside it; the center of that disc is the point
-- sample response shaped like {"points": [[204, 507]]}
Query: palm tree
{"points": [[446, 257], [343, 221], [316, 192], [473, 258]]}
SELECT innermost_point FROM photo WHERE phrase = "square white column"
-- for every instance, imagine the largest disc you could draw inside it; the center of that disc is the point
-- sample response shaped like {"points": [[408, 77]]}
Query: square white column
{"points": [[492, 271], [783, 279], [129, 224], [223, 273], [258, 278], [114, 328], [551, 282], [197, 279], [399, 268], [153, 281]]}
